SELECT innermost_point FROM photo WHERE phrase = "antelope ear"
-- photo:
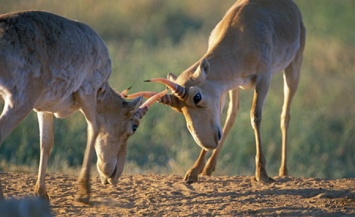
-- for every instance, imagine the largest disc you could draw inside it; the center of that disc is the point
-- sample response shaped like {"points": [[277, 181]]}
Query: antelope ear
{"points": [[171, 77], [101, 92], [202, 71], [134, 104], [204, 66]]}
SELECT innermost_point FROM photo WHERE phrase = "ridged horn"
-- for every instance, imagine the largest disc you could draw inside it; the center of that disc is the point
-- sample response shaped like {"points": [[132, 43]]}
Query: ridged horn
{"points": [[166, 99], [145, 94], [140, 112], [178, 90]]}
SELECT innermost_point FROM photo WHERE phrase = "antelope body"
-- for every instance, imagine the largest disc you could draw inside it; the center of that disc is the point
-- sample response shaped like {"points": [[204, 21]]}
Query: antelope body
{"points": [[57, 66], [254, 40]]}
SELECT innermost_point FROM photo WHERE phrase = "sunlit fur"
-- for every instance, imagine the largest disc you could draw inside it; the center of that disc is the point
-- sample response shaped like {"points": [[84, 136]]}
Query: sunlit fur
{"points": [[253, 41], [57, 66]]}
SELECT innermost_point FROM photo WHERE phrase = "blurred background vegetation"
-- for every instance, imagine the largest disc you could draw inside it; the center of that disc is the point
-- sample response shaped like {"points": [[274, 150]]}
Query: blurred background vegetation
{"points": [[151, 38]]}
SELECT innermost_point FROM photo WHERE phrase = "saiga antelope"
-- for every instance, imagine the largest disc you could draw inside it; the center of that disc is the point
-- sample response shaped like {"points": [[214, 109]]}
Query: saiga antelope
{"points": [[254, 40], [57, 66]]}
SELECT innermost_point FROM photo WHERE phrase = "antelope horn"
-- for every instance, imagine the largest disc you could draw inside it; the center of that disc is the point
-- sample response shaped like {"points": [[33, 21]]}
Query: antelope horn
{"points": [[124, 93], [166, 99], [180, 91], [145, 94], [140, 112]]}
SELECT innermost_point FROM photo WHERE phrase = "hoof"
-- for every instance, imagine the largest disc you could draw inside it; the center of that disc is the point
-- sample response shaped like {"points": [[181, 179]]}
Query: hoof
{"points": [[45, 197], [208, 171], [283, 173], [264, 179], [83, 195], [2, 197], [190, 178], [41, 193], [83, 199]]}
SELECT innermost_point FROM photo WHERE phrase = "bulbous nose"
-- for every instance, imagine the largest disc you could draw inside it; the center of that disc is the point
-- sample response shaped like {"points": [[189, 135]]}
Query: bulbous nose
{"points": [[219, 134], [208, 138], [107, 170]]}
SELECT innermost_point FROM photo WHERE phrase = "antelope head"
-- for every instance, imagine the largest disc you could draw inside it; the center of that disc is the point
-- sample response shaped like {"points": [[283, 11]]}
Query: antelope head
{"points": [[118, 119], [199, 101]]}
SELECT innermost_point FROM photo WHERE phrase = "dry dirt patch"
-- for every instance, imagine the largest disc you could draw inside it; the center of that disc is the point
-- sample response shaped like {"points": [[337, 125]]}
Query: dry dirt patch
{"points": [[168, 195]]}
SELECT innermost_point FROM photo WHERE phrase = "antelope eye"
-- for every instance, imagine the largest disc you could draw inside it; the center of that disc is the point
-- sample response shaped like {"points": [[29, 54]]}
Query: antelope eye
{"points": [[134, 127], [197, 98]]}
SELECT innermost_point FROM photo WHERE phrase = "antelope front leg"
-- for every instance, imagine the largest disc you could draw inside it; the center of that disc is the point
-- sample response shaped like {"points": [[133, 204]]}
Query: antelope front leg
{"points": [[1, 193], [261, 88], [232, 112], [88, 107], [84, 176], [45, 121], [192, 174]]}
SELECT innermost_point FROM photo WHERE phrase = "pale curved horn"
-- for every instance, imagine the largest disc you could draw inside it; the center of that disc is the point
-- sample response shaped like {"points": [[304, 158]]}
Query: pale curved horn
{"points": [[145, 94], [140, 112], [166, 99], [180, 91], [124, 93]]}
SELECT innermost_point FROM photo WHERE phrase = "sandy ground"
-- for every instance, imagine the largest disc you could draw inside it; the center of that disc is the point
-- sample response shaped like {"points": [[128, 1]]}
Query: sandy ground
{"points": [[168, 195]]}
